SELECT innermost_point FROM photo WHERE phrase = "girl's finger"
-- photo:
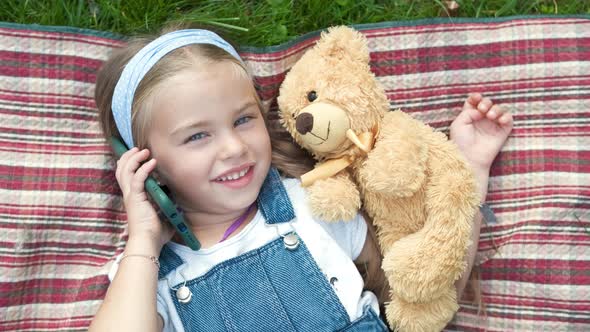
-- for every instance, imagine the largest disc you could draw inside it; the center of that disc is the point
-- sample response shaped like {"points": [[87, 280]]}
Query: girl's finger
{"points": [[128, 154], [469, 113], [499, 109], [473, 99], [123, 161], [495, 112], [138, 181], [134, 161], [505, 119], [484, 105], [128, 168]]}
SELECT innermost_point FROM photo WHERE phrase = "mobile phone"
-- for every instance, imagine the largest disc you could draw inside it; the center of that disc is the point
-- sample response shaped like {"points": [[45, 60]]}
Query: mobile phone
{"points": [[167, 206]]}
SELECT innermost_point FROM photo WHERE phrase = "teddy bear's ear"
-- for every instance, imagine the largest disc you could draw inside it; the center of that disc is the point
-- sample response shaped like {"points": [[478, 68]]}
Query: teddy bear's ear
{"points": [[342, 41]]}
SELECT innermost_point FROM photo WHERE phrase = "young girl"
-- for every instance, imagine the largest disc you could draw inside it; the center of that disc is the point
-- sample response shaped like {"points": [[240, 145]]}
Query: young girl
{"points": [[187, 106]]}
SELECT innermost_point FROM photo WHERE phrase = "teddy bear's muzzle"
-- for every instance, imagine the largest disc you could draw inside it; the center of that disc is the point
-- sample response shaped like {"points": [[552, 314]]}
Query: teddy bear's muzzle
{"points": [[322, 127]]}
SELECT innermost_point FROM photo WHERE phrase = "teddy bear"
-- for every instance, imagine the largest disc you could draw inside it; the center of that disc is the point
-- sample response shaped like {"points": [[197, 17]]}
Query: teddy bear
{"points": [[411, 180]]}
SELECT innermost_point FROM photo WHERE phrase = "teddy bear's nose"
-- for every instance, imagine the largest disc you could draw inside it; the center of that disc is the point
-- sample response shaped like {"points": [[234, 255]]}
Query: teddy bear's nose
{"points": [[304, 123]]}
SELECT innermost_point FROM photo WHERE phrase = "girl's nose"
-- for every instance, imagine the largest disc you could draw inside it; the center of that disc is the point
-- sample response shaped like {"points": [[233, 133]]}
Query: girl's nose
{"points": [[233, 146]]}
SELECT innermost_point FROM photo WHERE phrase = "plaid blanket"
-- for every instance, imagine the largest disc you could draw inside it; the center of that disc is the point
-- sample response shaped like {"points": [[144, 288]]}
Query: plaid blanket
{"points": [[61, 215]]}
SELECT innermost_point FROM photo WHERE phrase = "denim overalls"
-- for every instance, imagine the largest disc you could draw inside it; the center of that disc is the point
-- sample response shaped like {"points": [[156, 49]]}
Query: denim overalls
{"points": [[276, 287]]}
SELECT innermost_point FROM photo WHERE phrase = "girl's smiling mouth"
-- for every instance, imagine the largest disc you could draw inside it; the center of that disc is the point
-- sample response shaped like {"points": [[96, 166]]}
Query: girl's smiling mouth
{"points": [[237, 177]]}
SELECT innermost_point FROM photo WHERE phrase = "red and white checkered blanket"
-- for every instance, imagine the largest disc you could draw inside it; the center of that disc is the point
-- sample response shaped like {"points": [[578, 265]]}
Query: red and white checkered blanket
{"points": [[62, 219]]}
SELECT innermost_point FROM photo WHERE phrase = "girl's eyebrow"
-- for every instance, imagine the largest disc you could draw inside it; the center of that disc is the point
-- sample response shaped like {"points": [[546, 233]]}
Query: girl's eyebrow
{"points": [[245, 106], [189, 125]]}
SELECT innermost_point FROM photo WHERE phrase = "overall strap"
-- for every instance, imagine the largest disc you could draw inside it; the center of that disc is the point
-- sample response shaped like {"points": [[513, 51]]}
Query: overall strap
{"points": [[273, 201], [169, 261]]}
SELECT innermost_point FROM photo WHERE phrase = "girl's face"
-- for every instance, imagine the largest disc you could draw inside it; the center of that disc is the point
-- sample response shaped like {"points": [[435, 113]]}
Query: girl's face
{"points": [[209, 139]]}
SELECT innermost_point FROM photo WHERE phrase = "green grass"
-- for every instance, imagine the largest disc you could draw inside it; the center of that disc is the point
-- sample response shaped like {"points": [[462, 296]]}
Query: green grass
{"points": [[261, 23]]}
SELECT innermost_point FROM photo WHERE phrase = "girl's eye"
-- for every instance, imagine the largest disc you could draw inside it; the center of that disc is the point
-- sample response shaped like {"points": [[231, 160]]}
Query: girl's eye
{"points": [[242, 120], [196, 137]]}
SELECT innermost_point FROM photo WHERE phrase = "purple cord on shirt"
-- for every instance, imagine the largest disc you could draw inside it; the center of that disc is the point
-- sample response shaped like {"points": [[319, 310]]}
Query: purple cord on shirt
{"points": [[237, 223]]}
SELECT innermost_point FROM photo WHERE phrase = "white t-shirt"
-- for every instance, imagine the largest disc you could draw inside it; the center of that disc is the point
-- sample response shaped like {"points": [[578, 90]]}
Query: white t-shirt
{"points": [[334, 246]]}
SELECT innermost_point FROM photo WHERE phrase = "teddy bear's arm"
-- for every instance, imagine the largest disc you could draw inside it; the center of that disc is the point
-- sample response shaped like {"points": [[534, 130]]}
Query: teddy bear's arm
{"points": [[437, 257], [397, 163], [335, 198]]}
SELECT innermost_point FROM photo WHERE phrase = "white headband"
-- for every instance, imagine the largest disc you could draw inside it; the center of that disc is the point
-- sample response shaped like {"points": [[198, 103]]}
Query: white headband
{"points": [[144, 60]]}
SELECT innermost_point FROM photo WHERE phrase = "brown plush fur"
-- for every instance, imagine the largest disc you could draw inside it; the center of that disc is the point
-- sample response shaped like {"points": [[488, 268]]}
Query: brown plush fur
{"points": [[414, 183]]}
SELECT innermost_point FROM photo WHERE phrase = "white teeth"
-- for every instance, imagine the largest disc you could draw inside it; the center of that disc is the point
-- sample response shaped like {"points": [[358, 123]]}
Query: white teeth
{"points": [[234, 176]]}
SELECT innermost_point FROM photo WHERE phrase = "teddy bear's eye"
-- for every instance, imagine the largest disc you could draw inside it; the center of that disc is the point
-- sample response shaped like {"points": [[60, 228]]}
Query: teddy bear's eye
{"points": [[312, 95]]}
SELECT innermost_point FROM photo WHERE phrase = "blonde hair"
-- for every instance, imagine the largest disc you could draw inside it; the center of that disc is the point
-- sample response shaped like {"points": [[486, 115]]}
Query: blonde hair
{"points": [[170, 65], [287, 156]]}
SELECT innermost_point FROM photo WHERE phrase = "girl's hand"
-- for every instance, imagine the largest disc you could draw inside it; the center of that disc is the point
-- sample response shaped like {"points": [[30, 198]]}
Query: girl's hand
{"points": [[480, 131], [146, 232]]}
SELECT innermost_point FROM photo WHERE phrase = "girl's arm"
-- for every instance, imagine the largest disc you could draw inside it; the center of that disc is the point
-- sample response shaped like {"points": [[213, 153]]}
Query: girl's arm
{"points": [[480, 131], [481, 176], [369, 265], [130, 302]]}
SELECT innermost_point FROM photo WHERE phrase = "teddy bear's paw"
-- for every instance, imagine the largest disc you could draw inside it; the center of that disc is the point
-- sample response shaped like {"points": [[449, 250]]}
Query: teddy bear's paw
{"points": [[414, 273], [334, 199], [430, 316], [415, 286]]}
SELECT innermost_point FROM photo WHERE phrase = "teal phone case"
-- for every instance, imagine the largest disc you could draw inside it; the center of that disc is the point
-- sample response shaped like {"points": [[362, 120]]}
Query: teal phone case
{"points": [[166, 205]]}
